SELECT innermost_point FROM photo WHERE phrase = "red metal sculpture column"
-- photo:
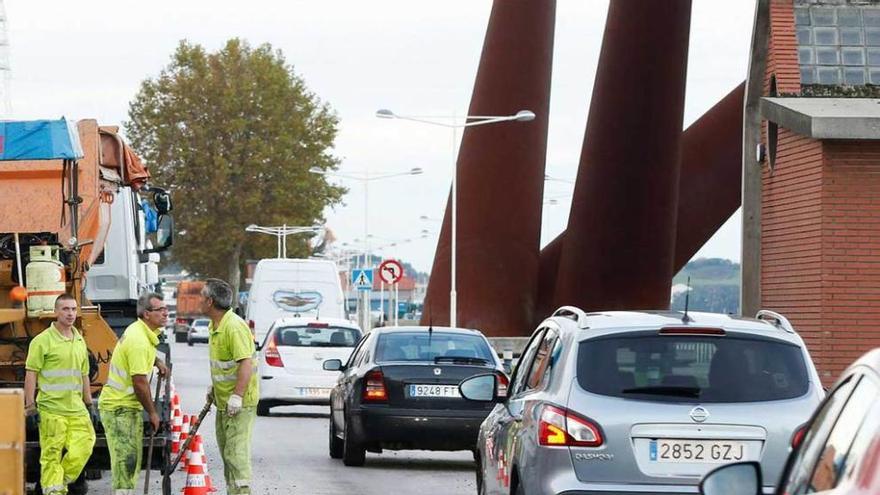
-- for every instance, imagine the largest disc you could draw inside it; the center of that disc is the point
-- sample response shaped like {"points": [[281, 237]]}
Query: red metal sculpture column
{"points": [[708, 194], [619, 247], [500, 179]]}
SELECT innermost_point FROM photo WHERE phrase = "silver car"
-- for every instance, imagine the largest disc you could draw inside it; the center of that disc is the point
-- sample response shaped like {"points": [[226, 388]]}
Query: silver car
{"points": [[644, 403]]}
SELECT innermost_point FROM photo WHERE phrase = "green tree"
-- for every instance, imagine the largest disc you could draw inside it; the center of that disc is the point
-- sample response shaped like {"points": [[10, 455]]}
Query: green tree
{"points": [[233, 134]]}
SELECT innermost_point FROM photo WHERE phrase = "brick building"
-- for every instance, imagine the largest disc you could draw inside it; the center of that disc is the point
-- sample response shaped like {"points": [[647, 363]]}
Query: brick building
{"points": [[820, 201]]}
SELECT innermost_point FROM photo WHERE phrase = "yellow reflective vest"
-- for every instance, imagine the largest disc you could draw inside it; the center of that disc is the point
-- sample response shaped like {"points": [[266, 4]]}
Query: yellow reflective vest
{"points": [[135, 354], [60, 364], [229, 343]]}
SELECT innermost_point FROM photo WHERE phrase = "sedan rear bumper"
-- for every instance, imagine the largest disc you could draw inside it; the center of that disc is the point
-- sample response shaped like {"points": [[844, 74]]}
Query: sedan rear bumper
{"points": [[400, 429]]}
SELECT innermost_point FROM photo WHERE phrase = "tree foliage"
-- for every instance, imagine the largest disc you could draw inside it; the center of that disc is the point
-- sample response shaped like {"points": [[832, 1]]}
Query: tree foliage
{"points": [[233, 134]]}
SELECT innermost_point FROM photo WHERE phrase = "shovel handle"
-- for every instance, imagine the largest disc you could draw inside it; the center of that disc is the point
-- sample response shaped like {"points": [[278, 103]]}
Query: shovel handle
{"points": [[152, 437], [192, 434]]}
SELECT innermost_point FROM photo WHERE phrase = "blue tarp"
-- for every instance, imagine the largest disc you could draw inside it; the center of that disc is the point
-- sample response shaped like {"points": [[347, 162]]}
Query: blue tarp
{"points": [[39, 140]]}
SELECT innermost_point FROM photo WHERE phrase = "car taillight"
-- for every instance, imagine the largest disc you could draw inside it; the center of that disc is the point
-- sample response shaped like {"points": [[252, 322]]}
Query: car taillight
{"points": [[798, 436], [251, 324], [374, 387], [560, 427], [182, 321], [503, 382], [273, 357]]}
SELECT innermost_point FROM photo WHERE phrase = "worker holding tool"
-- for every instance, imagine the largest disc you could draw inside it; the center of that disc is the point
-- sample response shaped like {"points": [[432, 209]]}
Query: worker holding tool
{"points": [[235, 389], [127, 392], [58, 365]]}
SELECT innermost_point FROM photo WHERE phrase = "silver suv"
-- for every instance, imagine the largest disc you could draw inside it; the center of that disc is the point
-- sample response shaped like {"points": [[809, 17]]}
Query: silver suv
{"points": [[644, 403]]}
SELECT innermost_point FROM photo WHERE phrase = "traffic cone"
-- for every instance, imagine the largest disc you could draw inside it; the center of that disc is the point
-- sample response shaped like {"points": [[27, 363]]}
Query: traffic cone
{"points": [[196, 484], [184, 434], [176, 426], [205, 464]]}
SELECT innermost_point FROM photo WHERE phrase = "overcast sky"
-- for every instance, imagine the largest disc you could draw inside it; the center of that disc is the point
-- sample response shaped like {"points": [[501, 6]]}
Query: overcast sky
{"points": [[85, 59]]}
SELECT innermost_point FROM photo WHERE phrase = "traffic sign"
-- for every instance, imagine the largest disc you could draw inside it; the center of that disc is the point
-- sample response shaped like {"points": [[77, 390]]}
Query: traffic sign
{"points": [[362, 279], [390, 271]]}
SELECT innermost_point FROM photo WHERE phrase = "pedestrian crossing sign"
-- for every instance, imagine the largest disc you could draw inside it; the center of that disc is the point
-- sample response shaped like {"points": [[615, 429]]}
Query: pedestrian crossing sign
{"points": [[362, 279]]}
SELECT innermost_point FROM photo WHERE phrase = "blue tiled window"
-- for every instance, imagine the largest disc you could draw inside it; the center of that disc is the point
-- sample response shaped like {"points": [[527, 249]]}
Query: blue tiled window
{"points": [[838, 44]]}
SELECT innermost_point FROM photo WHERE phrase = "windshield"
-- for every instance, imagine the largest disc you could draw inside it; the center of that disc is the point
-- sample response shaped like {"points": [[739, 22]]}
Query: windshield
{"points": [[201, 323], [420, 346], [672, 368], [317, 336]]}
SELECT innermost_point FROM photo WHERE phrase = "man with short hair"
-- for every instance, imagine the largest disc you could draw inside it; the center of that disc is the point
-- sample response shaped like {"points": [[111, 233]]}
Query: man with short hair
{"points": [[58, 365], [127, 392], [234, 378]]}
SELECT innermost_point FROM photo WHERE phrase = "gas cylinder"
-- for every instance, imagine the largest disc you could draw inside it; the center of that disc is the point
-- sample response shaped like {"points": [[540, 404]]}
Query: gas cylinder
{"points": [[45, 279]]}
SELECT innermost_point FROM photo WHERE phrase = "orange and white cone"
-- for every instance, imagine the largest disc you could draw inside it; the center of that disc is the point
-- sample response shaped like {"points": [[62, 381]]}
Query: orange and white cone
{"points": [[196, 484], [176, 426], [205, 463], [184, 434]]}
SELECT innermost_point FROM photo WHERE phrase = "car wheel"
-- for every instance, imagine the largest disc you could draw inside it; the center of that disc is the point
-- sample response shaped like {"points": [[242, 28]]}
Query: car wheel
{"points": [[481, 487], [336, 444], [353, 453], [189, 342], [263, 408], [520, 489]]}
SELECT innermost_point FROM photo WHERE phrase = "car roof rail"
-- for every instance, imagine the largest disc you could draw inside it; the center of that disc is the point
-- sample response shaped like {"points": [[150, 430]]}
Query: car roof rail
{"points": [[574, 313], [776, 319]]}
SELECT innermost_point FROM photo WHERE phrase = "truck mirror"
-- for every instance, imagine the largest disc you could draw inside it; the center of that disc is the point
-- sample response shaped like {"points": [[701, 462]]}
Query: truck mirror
{"points": [[164, 235], [162, 201]]}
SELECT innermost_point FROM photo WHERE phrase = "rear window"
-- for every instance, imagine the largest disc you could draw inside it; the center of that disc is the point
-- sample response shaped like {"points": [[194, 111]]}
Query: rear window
{"points": [[673, 368], [328, 336], [420, 346]]}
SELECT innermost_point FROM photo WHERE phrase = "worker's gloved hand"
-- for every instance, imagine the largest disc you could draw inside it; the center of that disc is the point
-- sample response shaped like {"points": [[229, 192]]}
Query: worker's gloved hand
{"points": [[93, 413], [234, 405]]}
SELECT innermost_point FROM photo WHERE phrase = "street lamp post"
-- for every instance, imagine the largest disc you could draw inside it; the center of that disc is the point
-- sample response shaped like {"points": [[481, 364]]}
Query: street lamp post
{"points": [[282, 232], [454, 123], [365, 178]]}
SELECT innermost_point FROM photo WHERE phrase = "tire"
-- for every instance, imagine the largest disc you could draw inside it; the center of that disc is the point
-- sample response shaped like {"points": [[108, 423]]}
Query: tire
{"points": [[481, 486], [189, 342], [336, 444], [353, 453], [520, 490], [263, 408]]}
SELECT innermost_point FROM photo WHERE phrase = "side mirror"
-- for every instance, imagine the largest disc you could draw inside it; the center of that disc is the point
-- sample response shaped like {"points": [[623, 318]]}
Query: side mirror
{"points": [[742, 478], [333, 365], [164, 234], [162, 201], [480, 388]]}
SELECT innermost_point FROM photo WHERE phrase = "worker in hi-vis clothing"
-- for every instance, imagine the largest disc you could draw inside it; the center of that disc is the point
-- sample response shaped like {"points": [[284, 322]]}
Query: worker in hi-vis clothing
{"points": [[58, 365], [234, 383], [127, 392]]}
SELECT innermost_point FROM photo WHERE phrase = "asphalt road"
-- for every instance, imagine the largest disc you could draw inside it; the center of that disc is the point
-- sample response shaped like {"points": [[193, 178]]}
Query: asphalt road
{"points": [[290, 451]]}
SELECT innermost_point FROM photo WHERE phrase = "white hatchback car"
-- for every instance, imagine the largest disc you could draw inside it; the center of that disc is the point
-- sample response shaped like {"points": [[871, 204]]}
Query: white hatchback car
{"points": [[198, 331], [292, 357]]}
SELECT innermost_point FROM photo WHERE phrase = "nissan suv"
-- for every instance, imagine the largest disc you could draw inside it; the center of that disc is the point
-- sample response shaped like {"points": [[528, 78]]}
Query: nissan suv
{"points": [[643, 403]]}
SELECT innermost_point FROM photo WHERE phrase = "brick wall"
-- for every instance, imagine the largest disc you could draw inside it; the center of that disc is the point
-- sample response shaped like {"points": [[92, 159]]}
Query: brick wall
{"points": [[851, 252], [782, 59], [791, 237]]}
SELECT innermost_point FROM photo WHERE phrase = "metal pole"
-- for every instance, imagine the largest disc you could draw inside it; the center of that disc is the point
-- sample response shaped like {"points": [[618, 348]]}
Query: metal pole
{"points": [[381, 301], [278, 239], [396, 303], [453, 295], [284, 241]]}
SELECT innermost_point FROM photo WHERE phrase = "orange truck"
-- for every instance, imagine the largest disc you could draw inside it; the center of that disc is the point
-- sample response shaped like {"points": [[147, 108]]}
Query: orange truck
{"points": [[189, 307], [77, 217]]}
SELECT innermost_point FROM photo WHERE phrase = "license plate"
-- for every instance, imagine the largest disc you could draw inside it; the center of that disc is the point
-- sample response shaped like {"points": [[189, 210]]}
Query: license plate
{"points": [[446, 391], [701, 451], [314, 392]]}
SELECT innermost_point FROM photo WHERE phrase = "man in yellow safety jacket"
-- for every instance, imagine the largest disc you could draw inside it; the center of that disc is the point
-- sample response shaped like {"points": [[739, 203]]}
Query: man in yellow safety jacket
{"points": [[127, 392], [58, 365], [234, 384]]}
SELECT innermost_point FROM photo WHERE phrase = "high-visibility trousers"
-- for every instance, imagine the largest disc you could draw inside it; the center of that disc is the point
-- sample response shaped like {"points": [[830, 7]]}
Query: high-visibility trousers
{"points": [[125, 441], [234, 439], [73, 434]]}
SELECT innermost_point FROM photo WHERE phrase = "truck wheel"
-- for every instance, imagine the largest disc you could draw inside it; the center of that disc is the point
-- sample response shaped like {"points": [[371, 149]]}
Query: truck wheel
{"points": [[336, 444], [353, 453], [262, 407]]}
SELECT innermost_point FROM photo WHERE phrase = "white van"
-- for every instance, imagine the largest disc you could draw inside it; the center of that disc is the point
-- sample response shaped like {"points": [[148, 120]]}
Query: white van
{"points": [[285, 287]]}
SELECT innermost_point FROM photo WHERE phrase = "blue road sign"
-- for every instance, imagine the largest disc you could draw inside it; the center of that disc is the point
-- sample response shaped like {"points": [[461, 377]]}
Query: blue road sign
{"points": [[362, 279]]}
